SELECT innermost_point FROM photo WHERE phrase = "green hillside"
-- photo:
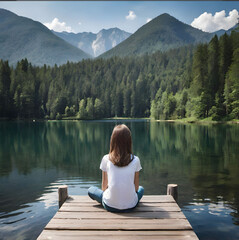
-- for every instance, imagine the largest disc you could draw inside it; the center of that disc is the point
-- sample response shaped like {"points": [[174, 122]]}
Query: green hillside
{"points": [[162, 33], [22, 37]]}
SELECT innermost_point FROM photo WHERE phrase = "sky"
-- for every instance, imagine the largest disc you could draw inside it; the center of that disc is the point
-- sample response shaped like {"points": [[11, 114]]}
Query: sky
{"points": [[92, 16]]}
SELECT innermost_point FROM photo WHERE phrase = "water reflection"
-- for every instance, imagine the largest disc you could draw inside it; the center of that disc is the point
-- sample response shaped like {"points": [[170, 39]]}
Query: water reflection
{"points": [[37, 157], [212, 220], [30, 218]]}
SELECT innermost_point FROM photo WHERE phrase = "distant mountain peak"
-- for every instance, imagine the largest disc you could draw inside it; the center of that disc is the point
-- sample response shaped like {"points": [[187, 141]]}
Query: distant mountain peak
{"points": [[164, 16], [95, 44]]}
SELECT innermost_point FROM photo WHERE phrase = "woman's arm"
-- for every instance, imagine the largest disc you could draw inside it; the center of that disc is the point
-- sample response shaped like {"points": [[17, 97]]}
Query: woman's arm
{"points": [[136, 181], [104, 180]]}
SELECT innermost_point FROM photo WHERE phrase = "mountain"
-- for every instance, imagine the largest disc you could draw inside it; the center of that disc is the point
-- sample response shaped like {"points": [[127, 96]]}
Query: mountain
{"points": [[82, 41], [22, 37], [162, 33], [95, 44]]}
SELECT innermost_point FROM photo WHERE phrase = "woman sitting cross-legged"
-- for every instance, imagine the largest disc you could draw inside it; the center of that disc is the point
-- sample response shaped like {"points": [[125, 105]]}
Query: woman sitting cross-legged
{"points": [[120, 174]]}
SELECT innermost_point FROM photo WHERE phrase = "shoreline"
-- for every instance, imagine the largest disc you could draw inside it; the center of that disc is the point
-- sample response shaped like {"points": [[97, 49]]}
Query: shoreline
{"points": [[182, 121], [198, 121]]}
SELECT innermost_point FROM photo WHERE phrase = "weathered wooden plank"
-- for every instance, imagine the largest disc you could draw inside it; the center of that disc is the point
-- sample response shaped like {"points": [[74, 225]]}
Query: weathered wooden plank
{"points": [[109, 215], [141, 204], [158, 204], [146, 198], [158, 200], [122, 233], [99, 237], [157, 196], [116, 224], [101, 209], [85, 197], [132, 235]]}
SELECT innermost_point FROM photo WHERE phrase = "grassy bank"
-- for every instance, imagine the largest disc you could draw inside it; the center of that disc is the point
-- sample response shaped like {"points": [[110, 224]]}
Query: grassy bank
{"points": [[201, 121]]}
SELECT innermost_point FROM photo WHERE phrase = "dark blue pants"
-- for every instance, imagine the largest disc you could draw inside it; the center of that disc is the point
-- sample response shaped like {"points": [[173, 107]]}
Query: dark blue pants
{"points": [[96, 193]]}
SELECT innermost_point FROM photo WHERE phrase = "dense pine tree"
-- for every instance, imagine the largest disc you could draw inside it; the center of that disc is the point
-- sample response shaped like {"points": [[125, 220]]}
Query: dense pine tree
{"points": [[5, 97]]}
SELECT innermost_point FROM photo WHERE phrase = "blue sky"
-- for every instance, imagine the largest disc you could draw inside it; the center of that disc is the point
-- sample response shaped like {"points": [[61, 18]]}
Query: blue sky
{"points": [[92, 16]]}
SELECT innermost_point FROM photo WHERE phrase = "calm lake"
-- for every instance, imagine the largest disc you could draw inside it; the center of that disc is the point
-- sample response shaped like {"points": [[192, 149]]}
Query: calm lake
{"points": [[36, 157]]}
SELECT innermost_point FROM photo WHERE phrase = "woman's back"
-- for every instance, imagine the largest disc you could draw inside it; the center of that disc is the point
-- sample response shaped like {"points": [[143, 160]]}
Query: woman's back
{"points": [[121, 192]]}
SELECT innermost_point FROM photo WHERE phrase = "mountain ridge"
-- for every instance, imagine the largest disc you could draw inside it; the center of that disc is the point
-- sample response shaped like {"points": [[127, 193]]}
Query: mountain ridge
{"points": [[22, 37]]}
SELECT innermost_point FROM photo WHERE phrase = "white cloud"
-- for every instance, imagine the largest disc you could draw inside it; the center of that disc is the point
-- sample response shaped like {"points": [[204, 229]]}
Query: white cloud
{"points": [[209, 23], [148, 20], [58, 26], [131, 15], [79, 23]]}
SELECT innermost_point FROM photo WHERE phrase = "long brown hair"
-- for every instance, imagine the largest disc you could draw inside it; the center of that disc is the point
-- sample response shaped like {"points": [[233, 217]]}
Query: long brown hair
{"points": [[120, 146]]}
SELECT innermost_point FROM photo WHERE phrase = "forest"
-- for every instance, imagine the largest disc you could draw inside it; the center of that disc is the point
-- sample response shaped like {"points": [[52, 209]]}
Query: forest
{"points": [[198, 82]]}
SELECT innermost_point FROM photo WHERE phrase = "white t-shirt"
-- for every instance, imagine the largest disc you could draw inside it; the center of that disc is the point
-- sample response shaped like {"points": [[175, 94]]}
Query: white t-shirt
{"points": [[120, 193]]}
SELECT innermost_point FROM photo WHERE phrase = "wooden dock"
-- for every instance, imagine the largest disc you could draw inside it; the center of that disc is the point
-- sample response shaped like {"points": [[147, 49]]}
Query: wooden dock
{"points": [[156, 217]]}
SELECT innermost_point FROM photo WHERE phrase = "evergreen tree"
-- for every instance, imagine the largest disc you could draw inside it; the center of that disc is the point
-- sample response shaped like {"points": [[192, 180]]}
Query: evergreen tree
{"points": [[118, 103], [200, 70], [153, 110], [231, 91], [67, 111], [181, 104], [169, 106], [225, 59], [98, 108], [82, 109], [5, 97], [89, 109], [213, 68], [141, 96], [126, 101]]}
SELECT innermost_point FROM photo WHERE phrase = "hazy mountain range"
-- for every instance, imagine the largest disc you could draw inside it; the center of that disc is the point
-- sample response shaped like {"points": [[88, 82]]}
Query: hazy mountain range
{"points": [[21, 37], [95, 44]]}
